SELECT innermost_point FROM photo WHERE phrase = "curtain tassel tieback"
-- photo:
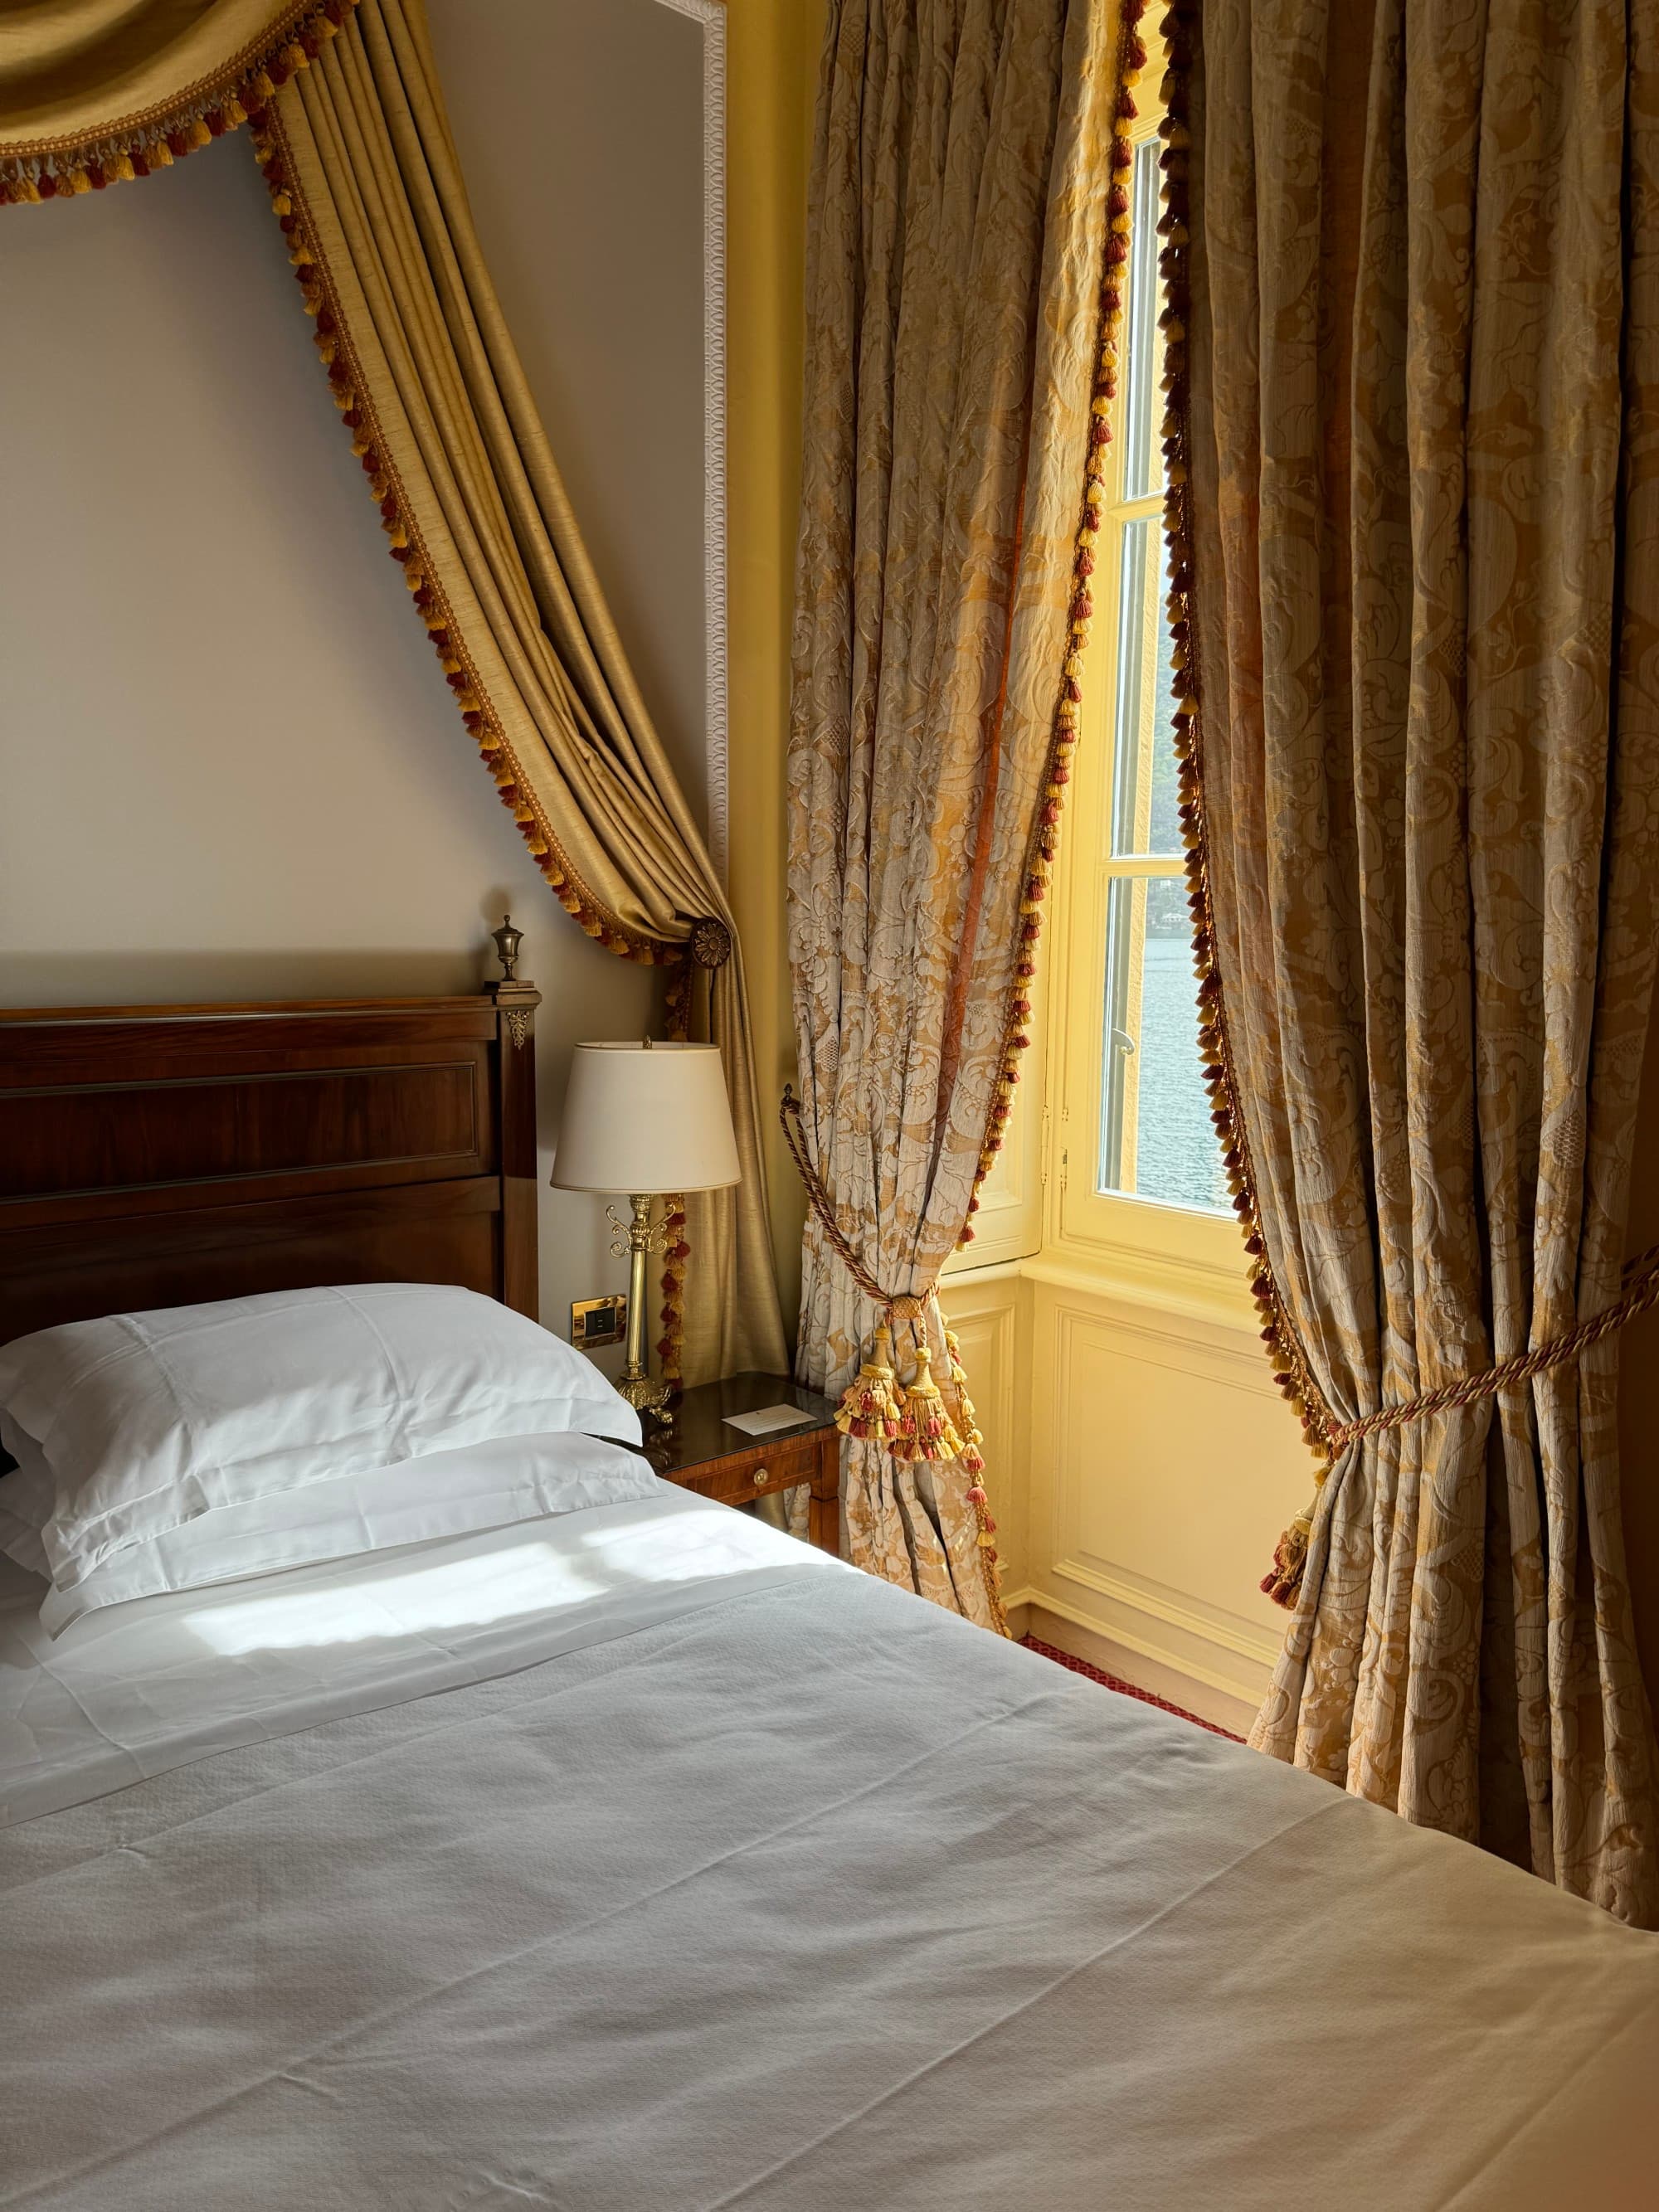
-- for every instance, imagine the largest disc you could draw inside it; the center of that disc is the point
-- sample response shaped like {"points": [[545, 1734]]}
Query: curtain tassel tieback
{"points": [[909, 1421], [929, 1433], [1639, 1290], [873, 1407]]}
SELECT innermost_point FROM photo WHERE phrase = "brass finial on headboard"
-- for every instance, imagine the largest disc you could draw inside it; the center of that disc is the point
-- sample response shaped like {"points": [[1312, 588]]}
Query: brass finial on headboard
{"points": [[507, 941]]}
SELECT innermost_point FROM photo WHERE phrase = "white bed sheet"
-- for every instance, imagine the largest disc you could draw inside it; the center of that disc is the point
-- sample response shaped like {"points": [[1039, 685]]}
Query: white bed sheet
{"points": [[782, 1890], [143, 1687]]}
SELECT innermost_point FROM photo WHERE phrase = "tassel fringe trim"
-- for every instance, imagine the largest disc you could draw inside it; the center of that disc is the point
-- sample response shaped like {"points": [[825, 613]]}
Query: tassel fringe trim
{"points": [[407, 548], [1282, 1580], [33, 170], [1057, 775], [911, 1422], [677, 1013], [1279, 1336]]}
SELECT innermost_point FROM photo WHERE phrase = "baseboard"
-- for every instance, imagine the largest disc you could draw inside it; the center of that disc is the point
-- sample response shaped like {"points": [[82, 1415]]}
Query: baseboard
{"points": [[1052, 1621]]}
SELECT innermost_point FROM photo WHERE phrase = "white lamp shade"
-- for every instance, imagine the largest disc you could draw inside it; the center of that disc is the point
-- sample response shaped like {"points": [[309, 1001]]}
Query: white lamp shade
{"points": [[644, 1119]]}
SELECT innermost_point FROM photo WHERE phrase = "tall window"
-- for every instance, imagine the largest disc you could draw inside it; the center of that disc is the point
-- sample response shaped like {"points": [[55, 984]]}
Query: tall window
{"points": [[1134, 1117], [1155, 1135]]}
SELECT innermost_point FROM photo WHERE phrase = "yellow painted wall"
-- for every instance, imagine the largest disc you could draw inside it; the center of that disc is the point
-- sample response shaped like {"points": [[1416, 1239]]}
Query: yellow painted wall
{"points": [[772, 48]]}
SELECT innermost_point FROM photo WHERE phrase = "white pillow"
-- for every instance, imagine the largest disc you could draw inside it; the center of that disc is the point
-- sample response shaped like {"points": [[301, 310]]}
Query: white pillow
{"points": [[148, 1421], [489, 1486], [26, 1497]]}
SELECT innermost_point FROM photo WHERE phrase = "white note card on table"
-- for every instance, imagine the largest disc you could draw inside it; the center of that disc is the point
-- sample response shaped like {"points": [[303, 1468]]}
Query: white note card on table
{"points": [[767, 1420]]}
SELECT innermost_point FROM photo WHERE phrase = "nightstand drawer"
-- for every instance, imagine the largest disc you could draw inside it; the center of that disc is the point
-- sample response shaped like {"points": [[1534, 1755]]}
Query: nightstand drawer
{"points": [[697, 1447], [764, 1466], [779, 1467]]}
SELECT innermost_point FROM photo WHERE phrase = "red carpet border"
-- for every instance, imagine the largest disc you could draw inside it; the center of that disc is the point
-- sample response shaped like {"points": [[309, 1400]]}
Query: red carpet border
{"points": [[1124, 1689]]}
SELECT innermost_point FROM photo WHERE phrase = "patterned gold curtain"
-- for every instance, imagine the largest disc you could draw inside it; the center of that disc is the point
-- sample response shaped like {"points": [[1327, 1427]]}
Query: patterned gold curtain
{"points": [[959, 208], [350, 129], [1415, 502]]}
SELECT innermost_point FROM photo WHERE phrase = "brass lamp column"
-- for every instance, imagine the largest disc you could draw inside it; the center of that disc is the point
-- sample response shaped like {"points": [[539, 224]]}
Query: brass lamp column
{"points": [[634, 1242], [643, 1120]]}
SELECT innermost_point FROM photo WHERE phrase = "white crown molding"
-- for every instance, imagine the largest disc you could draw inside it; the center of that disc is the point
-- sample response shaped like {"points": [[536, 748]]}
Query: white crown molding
{"points": [[711, 15]]}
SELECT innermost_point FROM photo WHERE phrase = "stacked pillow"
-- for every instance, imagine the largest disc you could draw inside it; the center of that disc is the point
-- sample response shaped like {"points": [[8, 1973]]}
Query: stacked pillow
{"points": [[165, 1451]]}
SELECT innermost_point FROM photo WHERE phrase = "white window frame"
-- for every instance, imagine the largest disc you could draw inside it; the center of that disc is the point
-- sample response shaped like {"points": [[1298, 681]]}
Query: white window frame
{"points": [[1146, 1246]]}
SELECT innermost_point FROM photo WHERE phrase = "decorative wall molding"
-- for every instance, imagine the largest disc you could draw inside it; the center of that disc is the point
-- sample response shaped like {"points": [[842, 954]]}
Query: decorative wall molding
{"points": [[985, 1310], [710, 15], [1184, 1291], [1132, 1422]]}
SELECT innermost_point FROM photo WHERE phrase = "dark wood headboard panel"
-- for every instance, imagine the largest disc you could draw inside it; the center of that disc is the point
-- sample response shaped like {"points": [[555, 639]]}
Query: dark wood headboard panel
{"points": [[155, 1156]]}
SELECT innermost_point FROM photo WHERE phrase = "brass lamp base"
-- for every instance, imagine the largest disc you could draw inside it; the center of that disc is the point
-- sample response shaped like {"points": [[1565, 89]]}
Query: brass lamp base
{"points": [[638, 1238], [641, 1392]]}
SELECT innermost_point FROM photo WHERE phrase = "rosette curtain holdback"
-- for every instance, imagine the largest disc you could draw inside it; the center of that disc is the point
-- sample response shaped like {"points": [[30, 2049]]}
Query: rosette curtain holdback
{"points": [[1412, 272], [966, 233], [349, 127]]}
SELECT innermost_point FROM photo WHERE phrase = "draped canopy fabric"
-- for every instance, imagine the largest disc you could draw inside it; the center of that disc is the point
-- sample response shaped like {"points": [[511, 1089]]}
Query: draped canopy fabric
{"points": [[359, 150], [955, 234], [86, 85], [350, 131], [1424, 453]]}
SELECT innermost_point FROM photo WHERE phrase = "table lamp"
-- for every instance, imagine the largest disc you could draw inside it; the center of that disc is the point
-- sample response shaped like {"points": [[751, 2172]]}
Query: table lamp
{"points": [[641, 1119]]}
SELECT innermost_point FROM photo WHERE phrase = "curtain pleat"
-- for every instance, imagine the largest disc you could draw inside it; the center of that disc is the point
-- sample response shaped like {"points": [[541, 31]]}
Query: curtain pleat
{"points": [[956, 232], [1424, 473]]}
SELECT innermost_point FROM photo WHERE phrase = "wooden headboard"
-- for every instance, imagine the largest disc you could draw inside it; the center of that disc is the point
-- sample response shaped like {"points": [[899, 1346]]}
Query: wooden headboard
{"points": [[156, 1155]]}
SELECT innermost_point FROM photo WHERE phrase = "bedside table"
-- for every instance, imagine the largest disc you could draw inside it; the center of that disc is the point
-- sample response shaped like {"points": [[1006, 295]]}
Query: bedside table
{"points": [[700, 1452]]}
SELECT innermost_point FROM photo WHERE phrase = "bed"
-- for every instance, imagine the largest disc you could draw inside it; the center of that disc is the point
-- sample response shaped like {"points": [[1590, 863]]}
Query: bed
{"points": [[637, 1855]]}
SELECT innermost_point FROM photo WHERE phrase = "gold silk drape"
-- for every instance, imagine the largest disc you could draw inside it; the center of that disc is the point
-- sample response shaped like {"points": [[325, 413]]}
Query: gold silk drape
{"points": [[97, 92], [1416, 499], [350, 129], [954, 366], [358, 153]]}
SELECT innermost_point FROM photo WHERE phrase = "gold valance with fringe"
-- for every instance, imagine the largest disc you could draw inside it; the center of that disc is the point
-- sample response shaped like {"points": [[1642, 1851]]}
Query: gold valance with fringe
{"points": [[94, 92]]}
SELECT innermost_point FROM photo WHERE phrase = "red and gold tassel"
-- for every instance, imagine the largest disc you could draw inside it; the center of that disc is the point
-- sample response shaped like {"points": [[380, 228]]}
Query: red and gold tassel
{"points": [[972, 1458], [930, 1434], [676, 1023], [872, 1406], [1282, 1580], [35, 170]]}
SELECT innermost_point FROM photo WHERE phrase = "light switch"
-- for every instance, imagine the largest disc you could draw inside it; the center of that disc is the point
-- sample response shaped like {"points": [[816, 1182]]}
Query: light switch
{"points": [[595, 1321]]}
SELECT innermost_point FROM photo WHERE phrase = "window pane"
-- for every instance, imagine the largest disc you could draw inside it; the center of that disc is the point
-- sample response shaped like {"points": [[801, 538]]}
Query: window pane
{"points": [[1156, 1137], [1141, 473], [1146, 782]]}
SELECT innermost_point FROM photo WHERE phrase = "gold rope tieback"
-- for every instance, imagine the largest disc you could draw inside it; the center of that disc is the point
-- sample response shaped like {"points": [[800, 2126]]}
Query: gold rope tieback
{"points": [[910, 1421], [1640, 1291]]}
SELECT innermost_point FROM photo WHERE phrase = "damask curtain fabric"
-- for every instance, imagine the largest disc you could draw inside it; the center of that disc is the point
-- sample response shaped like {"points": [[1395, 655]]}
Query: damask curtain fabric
{"points": [[364, 177], [955, 234], [1424, 329]]}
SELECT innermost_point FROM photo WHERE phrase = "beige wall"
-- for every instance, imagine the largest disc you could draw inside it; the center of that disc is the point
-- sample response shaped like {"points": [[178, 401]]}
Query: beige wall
{"points": [[578, 124], [230, 766]]}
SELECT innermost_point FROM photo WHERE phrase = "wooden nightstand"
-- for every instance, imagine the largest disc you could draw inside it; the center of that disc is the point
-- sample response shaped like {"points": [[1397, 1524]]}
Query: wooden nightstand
{"points": [[700, 1452]]}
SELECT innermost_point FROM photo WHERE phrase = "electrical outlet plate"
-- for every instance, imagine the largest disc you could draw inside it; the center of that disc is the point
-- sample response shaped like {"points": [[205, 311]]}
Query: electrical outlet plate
{"points": [[595, 1321]]}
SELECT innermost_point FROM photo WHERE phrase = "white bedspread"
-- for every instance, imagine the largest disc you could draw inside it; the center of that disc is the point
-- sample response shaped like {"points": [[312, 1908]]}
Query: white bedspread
{"points": [[800, 1894], [148, 1686]]}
